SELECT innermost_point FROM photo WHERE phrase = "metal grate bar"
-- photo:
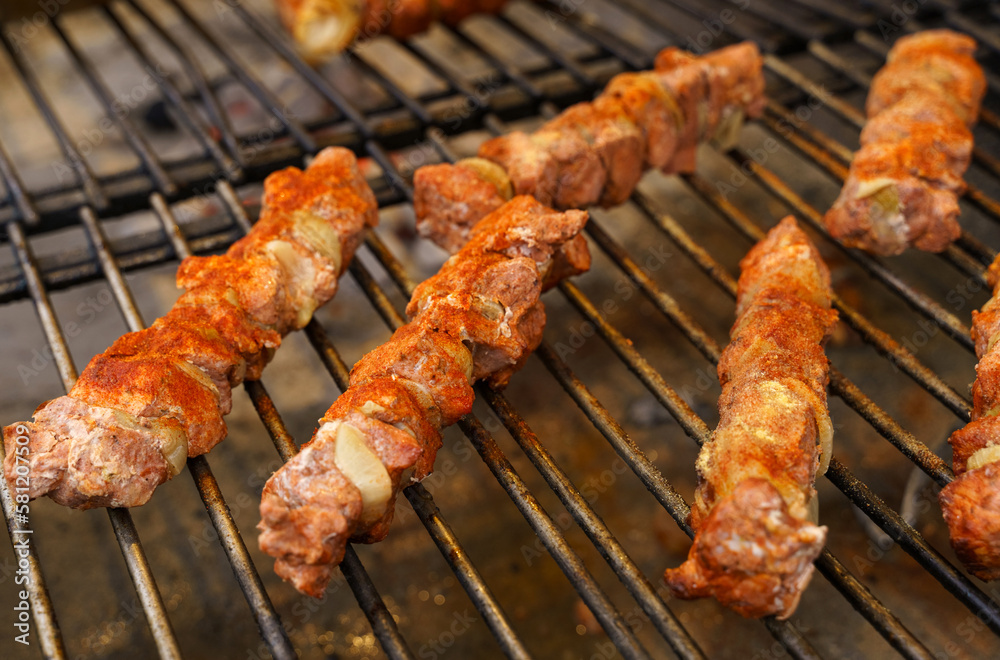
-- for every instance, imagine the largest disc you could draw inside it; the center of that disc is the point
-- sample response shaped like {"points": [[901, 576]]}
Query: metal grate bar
{"points": [[200, 81], [512, 73], [589, 27], [614, 554], [462, 566], [16, 193], [91, 189], [42, 612], [138, 143], [242, 73], [280, 45], [185, 113], [567, 64], [121, 519]]}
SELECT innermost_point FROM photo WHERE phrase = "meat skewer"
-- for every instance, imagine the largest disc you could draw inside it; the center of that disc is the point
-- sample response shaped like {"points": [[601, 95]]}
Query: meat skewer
{"points": [[322, 28], [971, 503], [903, 186], [754, 513], [478, 318], [158, 396], [595, 152]]}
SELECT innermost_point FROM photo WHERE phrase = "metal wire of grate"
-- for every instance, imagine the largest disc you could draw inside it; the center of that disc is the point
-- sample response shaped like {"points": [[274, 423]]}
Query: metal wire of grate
{"points": [[402, 123]]}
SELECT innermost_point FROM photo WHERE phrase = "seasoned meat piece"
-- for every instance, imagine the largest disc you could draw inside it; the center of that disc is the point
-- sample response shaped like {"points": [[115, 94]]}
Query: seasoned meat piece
{"points": [[532, 170], [449, 199], [645, 102], [884, 207], [580, 172], [971, 506], [935, 65], [479, 317], [71, 460], [686, 79], [438, 365], [157, 396], [751, 554], [615, 140], [903, 186], [306, 511], [970, 502], [755, 536], [153, 386]]}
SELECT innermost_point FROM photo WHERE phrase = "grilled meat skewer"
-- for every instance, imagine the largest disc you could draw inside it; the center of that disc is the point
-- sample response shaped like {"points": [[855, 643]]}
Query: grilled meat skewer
{"points": [[595, 152], [971, 503], [158, 396], [478, 318], [754, 513], [903, 186]]}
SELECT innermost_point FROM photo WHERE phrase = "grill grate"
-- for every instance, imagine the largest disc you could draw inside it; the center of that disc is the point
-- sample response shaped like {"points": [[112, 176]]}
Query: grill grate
{"points": [[808, 42]]}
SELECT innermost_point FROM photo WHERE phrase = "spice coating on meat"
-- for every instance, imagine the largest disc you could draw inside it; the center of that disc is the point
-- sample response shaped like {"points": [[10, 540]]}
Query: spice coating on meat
{"points": [[158, 396], [478, 318], [754, 541], [903, 186], [595, 152], [971, 503]]}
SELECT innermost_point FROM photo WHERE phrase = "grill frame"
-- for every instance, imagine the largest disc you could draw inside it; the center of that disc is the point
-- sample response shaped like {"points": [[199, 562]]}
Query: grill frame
{"points": [[368, 141]]}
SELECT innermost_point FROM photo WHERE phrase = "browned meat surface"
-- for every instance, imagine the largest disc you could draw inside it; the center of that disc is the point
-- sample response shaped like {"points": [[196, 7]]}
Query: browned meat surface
{"points": [[158, 396], [595, 152], [971, 507], [751, 553], [479, 317], [581, 172], [644, 101], [936, 65], [450, 199], [532, 170], [971, 503], [903, 186], [755, 532]]}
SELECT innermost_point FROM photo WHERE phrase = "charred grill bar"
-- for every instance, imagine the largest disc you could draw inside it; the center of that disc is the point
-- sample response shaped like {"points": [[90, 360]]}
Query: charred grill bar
{"points": [[156, 183]]}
